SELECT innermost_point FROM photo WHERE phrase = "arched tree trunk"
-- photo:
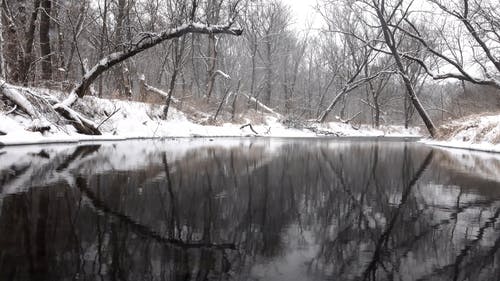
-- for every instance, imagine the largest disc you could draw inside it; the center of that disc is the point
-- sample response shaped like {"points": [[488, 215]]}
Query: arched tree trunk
{"points": [[146, 42]]}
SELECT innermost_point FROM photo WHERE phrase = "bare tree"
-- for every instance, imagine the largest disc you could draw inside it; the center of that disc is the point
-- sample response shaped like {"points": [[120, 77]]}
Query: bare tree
{"points": [[2, 59], [45, 48], [480, 20], [385, 17], [342, 23]]}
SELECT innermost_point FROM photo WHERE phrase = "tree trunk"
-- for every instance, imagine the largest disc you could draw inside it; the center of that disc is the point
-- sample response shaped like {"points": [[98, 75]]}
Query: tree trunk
{"points": [[77, 30], [331, 106], [171, 89], [286, 83], [2, 60], [45, 50], [29, 43], [122, 73], [11, 46], [59, 63], [377, 111], [212, 57], [104, 36], [267, 97], [390, 42], [252, 78]]}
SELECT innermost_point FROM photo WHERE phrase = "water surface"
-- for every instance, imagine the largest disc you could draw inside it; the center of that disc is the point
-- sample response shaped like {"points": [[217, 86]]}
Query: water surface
{"points": [[240, 209]]}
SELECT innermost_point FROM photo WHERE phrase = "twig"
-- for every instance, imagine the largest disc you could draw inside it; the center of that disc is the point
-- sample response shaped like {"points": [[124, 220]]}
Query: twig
{"points": [[347, 121], [350, 119], [111, 115]]}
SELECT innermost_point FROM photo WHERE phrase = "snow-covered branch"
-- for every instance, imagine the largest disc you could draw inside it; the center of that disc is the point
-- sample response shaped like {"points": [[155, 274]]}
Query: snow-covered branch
{"points": [[145, 42], [16, 97], [263, 106]]}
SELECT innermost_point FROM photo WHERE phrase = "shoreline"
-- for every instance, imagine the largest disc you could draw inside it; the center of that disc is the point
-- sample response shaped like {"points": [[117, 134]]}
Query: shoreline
{"points": [[98, 139], [480, 147]]}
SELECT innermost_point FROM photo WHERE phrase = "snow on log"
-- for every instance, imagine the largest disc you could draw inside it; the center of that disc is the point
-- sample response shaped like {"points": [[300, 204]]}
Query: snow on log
{"points": [[164, 94], [17, 98], [266, 108], [81, 124], [39, 126]]}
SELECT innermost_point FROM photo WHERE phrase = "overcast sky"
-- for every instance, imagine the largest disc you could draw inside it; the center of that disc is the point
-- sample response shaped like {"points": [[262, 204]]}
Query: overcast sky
{"points": [[303, 12]]}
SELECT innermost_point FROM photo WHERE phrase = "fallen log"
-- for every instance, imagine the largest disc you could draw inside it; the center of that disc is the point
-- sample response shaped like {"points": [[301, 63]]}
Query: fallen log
{"points": [[81, 124], [17, 98], [250, 126]]}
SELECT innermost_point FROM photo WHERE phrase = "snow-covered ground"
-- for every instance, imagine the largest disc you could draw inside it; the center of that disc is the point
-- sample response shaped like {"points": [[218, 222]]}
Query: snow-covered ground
{"points": [[478, 132], [133, 120]]}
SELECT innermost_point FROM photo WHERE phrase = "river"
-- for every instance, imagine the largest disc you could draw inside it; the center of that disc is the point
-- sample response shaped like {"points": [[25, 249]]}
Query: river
{"points": [[249, 209]]}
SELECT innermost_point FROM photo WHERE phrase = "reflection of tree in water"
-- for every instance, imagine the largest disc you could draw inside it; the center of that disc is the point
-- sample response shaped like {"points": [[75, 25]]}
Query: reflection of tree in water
{"points": [[217, 213]]}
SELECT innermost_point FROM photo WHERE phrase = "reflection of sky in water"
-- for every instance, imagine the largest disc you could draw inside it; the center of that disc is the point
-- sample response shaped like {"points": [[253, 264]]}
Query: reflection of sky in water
{"points": [[294, 264]]}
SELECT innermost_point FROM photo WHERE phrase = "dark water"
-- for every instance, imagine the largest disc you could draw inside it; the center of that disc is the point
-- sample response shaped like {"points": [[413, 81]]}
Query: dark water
{"points": [[248, 210]]}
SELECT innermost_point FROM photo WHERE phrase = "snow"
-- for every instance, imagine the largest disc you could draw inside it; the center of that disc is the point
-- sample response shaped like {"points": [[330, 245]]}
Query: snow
{"points": [[223, 74], [477, 132], [14, 95], [134, 120]]}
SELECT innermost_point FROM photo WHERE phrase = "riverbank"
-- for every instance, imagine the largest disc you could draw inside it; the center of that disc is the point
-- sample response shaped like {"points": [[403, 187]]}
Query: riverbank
{"points": [[122, 120], [476, 132]]}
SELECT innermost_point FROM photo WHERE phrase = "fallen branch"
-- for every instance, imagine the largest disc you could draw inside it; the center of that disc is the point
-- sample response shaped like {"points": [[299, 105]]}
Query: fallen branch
{"points": [[157, 91], [250, 126], [175, 101], [263, 106]]}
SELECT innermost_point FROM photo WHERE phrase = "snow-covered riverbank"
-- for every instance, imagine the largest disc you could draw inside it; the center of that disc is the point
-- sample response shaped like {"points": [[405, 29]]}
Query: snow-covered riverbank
{"points": [[478, 132], [119, 120]]}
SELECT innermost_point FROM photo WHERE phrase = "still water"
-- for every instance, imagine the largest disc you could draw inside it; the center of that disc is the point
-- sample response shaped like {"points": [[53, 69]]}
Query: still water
{"points": [[240, 209]]}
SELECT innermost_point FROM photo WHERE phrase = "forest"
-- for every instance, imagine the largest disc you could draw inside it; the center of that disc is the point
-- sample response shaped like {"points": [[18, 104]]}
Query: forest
{"points": [[373, 62]]}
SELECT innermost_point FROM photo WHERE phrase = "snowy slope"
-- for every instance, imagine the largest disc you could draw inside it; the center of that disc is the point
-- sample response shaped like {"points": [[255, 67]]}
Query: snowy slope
{"points": [[477, 132]]}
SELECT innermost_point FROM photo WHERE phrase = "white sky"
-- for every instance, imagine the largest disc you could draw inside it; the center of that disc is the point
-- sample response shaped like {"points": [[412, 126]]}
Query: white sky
{"points": [[303, 13]]}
